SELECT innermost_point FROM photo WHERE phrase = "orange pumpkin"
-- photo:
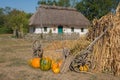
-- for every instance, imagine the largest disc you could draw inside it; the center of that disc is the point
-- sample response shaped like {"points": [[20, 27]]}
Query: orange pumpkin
{"points": [[55, 65], [35, 62], [56, 70]]}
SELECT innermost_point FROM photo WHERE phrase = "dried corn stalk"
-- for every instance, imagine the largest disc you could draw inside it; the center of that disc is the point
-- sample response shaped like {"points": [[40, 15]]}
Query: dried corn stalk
{"points": [[106, 52]]}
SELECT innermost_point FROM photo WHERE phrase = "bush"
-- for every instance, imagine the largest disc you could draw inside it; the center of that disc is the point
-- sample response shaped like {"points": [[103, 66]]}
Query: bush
{"points": [[4, 30]]}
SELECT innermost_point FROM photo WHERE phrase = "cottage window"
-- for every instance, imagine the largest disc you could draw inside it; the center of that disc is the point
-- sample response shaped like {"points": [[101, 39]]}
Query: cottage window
{"points": [[33, 29], [72, 29], [82, 29], [45, 29]]}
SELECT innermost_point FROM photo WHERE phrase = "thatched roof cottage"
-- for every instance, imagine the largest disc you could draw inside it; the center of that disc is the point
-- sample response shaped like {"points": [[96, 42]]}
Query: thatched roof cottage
{"points": [[54, 19]]}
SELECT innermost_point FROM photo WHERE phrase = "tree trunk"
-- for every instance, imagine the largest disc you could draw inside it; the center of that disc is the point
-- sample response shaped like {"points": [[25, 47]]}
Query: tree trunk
{"points": [[15, 33], [21, 31]]}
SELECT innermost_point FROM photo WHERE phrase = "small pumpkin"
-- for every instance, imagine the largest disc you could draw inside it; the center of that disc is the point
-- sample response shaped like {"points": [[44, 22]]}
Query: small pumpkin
{"points": [[84, 68], [56, 70], [55, 65], [45, 64], [81, 68], [35, 62]]}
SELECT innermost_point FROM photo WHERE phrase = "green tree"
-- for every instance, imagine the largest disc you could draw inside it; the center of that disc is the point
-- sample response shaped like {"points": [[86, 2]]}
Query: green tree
{"points": [[7, 10], [1, 17], [74, 2], [65, 3], [48, 2], [3, 13], [18, 22], [96, 8]]}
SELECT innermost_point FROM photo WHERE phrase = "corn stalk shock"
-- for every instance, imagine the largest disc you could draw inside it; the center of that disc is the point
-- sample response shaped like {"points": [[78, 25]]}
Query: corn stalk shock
{"points": [[73, 62], [82, 57]]}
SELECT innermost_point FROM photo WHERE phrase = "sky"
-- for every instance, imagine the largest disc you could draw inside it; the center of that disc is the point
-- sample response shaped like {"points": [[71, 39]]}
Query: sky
{"points": [[28, 6]]}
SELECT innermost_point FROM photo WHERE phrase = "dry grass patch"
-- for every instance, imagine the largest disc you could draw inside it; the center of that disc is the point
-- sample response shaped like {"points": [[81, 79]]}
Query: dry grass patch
{"points": [[14, 65], [54, 49]]}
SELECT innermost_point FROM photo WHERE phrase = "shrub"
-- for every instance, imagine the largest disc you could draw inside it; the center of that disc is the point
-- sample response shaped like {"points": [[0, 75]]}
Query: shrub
{"points": [[4, 30]]}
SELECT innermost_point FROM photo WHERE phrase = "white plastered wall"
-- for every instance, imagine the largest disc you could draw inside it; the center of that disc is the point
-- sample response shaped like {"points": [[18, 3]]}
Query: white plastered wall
{"points": [[55, 30]]}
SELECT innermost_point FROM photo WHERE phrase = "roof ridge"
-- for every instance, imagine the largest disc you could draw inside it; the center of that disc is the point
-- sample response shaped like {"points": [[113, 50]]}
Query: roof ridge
{"points": [[56, 7]]}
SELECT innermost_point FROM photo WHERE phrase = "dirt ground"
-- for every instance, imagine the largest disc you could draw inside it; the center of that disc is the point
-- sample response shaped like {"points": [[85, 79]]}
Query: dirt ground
{"points": [[14, 56]]}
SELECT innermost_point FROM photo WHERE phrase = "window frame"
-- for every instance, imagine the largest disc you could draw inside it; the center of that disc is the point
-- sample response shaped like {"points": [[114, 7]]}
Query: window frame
{"points": [[82, 29], [34, 29], [72, 29], [45, 29]]}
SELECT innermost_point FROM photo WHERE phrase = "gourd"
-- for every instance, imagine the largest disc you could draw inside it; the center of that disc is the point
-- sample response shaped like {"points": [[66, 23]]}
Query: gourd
{"points": [[56, 70], [55, 67], [84, 68], [35, 62], [81, 68], [45, 64]]}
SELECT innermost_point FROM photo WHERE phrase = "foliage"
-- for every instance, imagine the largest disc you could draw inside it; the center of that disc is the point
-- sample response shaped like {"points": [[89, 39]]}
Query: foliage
{"points": [[14, 21], [1, 17], [64, 3], [90, 8], [5, 30], [47, 2], [3, 12], [18, 21], [96, 8]]}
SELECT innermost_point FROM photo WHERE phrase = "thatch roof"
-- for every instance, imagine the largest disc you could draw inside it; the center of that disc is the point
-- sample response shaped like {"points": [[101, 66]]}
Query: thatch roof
{"points": [[54, 16]]}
